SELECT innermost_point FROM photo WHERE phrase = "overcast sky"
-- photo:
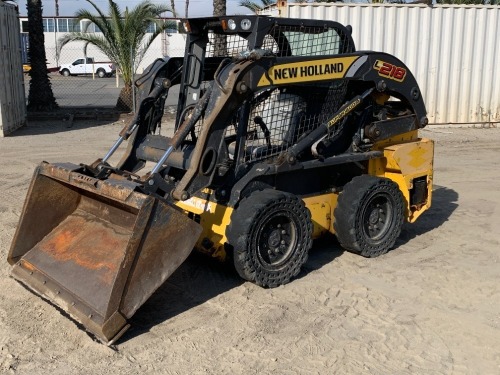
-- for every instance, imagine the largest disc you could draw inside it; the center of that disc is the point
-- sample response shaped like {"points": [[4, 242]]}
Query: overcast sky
{"points": [[197, 8]]}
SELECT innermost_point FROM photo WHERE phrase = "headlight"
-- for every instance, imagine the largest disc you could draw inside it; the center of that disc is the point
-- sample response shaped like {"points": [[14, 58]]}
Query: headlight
{"points": [[231, 24], [246, 24]]}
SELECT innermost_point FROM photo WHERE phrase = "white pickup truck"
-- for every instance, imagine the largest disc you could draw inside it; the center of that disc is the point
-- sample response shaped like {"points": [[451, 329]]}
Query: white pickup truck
{"points": [[88, 66]]}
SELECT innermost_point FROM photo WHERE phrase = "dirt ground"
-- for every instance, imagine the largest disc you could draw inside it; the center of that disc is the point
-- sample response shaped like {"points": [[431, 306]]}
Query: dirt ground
{"points": [[430, 306]]}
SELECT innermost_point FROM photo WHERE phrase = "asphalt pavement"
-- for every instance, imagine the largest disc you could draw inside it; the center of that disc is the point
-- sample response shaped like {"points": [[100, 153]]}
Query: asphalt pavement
{"points": [[86, 91]]}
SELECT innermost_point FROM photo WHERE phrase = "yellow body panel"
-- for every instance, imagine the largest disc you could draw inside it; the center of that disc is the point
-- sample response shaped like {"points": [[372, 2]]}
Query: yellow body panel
{"points": [[214, 218], [321, 208], [410, 158]]}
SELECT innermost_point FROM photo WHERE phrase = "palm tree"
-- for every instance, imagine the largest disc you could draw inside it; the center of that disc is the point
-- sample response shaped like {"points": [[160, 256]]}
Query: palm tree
{"points": [[220, 41], [255, 7], [122, 37], [40, 96]]}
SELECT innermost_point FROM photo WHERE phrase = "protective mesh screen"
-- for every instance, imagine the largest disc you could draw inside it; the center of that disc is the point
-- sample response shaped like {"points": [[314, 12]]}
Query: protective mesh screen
{"points": [[305, 41], [284, 41], [280, 117], [229, 45]]}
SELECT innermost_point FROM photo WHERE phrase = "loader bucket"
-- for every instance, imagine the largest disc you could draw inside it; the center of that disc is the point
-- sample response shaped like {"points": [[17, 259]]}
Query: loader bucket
{"points": [[97, 249]]}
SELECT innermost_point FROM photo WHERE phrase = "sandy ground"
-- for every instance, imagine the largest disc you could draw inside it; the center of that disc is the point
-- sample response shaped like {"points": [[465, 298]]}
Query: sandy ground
{"points": [[430, 306]]}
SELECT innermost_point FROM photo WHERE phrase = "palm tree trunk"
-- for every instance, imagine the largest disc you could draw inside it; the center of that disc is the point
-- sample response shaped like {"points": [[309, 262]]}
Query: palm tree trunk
{"points": [[172, 5], [125, 99], [220, 41], [40, 96], [219, 7]]}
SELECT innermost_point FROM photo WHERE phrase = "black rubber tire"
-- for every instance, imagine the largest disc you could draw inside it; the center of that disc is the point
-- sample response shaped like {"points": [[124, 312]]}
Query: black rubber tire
{"points": [[369, 215], [101, 73], [65, 73], [271, 233]]}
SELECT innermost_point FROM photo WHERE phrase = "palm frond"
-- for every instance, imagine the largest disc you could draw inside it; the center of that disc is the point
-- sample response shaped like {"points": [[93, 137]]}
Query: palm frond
{"points": [[253, 6], [123, 36]]}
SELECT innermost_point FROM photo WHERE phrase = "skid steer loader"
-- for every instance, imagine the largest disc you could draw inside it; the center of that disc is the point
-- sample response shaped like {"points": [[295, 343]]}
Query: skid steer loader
{"points": [[284, 132]]}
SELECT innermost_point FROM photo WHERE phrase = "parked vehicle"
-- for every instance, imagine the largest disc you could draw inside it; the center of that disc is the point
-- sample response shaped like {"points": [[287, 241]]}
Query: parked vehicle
{"points": [[88, 66]]}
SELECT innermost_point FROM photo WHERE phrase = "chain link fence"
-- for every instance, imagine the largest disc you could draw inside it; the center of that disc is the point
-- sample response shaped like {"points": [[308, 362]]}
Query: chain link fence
{"points": [[83, 77]]}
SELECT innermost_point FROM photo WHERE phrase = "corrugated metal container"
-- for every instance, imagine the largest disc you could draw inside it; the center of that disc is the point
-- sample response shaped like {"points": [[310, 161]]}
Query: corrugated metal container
{"points": [[453, 50], [12, 99]]}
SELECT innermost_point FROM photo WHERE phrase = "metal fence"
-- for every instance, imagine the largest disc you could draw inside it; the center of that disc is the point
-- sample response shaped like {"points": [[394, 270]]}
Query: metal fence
{"points": [[94, 84], [82, 85]]}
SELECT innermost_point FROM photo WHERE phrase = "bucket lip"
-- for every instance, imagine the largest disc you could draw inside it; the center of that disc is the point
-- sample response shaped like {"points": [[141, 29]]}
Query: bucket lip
{"points": [[80, 313]]}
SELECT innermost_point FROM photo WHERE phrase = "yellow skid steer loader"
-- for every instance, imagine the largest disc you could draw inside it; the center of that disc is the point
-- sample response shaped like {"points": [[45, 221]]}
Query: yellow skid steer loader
{"points": [[284, 132]]}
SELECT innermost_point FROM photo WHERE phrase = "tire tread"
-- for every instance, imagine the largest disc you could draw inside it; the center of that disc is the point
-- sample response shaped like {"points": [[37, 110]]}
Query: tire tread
{"points": [[346, 215], [240, 228]]}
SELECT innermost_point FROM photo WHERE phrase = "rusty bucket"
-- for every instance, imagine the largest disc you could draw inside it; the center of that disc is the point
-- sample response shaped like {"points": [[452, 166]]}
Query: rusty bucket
{"points": [[97, 249]]}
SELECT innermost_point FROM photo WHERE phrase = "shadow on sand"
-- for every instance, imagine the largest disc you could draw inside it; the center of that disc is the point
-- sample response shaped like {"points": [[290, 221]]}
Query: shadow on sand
{"points": [[66, 119], [196, 281], [444, 202]]}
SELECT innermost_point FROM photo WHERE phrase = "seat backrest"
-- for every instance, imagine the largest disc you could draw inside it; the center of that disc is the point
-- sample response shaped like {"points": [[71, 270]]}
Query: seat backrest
{"points": [[282, 115]]}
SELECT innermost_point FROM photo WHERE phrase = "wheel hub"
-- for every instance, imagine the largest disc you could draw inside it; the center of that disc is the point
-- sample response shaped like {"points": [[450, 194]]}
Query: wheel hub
{"points": [[378, 218], [277, 239], [274, 238], [374, 217]]}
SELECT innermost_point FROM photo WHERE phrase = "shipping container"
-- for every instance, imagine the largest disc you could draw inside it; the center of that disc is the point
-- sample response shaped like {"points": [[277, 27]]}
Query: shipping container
{"points": [[453, 50], [12, 99]]}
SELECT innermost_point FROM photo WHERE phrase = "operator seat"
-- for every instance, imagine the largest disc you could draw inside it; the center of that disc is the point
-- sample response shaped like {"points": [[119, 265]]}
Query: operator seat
{"points": [[277, 124]]}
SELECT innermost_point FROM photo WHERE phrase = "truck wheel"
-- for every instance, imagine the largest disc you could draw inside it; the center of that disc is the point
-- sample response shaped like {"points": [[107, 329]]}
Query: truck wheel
{"points": [[369, 215], [271, 232], [101, 73], [65, 73]]}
